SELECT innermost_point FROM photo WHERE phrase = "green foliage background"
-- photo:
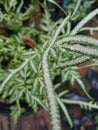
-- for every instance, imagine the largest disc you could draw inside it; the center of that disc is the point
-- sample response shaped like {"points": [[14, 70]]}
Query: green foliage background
{"points": [[27, 73]]}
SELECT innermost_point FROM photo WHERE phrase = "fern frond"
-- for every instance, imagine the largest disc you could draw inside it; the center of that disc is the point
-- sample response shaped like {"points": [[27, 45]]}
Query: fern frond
{"points": [[55, 117], [73, 62], [32, 81], [12, 73], [37, 99], [64, 109], [71, 74], [76, 9], [82, 49], [84, 21], [88, 105], [16, 111], [86, 40], [46, 21]]}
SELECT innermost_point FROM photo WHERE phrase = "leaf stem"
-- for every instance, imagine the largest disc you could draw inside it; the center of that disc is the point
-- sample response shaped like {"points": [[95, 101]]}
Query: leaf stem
{"points": [[54, 111]]}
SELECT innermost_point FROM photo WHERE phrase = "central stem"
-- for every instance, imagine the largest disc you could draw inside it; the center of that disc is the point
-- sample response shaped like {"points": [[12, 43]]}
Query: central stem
{"points": [[53, 105]]}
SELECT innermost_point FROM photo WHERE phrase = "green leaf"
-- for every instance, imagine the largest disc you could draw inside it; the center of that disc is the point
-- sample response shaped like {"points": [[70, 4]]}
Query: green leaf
{"points": [[80, 82], [39, 102], [63, 107], [28, 97]]}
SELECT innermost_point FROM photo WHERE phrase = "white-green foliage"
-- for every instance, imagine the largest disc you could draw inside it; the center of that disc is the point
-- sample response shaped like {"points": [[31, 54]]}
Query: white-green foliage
{"points": [[78, 8], [49, 86], [11, 13], [30, 73]]}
